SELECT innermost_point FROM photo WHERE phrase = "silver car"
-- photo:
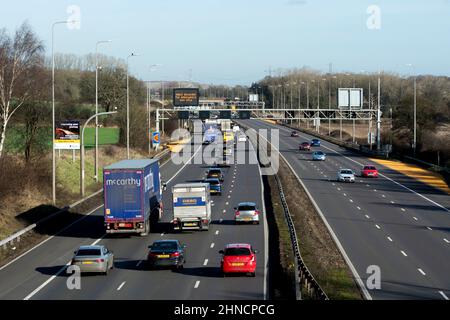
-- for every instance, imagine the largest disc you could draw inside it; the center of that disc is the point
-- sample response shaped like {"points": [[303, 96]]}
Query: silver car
{"points": [[93, 259], [318, 156], [246, 212], [346, 175]]}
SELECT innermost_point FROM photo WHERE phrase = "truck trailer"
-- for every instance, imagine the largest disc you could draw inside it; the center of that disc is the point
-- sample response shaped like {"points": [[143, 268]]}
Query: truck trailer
{"points": [[132, 196], [191, 206]]}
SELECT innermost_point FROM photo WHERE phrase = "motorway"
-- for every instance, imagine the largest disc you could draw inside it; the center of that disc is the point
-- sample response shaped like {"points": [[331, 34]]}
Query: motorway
{"points": [[41, 272], [394, 222]]}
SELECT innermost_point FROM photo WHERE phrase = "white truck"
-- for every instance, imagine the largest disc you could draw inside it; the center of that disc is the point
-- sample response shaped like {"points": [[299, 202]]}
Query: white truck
{"points": [[191, 206], [225, 125]]}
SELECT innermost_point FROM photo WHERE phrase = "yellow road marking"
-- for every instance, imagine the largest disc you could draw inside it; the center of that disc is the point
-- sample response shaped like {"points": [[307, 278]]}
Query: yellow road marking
{"points": [[178, 145], [428, 177]]}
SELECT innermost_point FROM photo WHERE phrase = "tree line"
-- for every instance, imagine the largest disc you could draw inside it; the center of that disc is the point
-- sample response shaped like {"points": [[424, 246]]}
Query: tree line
{"points": [[397, 99]]}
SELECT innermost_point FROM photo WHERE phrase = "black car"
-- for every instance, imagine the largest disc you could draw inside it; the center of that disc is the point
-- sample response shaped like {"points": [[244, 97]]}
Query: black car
{"points": [[215, 173], [166, 253]]}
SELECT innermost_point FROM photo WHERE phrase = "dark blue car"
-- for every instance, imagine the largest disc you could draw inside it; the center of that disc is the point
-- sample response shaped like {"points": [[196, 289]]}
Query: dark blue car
{"points": [[215, 186], [315, 143]]}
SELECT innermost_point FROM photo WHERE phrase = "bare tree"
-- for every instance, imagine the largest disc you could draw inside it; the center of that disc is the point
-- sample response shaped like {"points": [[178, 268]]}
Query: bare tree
{"points": [[19, 57]]}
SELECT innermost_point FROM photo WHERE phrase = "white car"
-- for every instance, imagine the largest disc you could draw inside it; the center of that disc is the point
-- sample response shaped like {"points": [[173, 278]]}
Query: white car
{"points": [[246, 212], [346, 175], [242, 138], [236, 129]]}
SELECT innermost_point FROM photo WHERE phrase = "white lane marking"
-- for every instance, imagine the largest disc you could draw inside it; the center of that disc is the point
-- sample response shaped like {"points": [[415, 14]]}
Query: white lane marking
{"points": [[375, 190], [232, 186], [217, 232], [121, 286], [383, 196], [231, 191], [390, 239], [184, 166], [351, 200], [49, 238], [378, 227], [224, 210], [415, 218], [403, 253], [221, 220], [339, 189], [367, 185], [421, 271], [197, 283], [345, 194], [28, 297], [443, 295], [359, 208], [330, 230], [403, 209], [227, 203], [162, 234], [206, 262], [229, 197], [392, 202], [429, 229], [367, 216], [212, 245], [446, 240]]}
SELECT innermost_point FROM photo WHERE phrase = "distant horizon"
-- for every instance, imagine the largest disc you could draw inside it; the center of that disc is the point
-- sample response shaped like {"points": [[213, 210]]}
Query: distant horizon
{"points": [[235, 42]]}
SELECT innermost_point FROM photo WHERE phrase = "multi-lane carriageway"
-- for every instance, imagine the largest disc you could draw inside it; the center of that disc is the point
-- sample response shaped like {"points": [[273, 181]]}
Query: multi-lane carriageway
{"points": [[394, 222], [40, 273]]}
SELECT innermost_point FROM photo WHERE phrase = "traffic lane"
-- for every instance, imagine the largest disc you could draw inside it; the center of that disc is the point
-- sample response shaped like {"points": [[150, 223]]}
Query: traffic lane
{"points": [[408, 231], [199, 271], [311, 178], [129, 261], [431, 214], [21, 277], [430, 192], [247, 187], [350, 223], [400, 277]]}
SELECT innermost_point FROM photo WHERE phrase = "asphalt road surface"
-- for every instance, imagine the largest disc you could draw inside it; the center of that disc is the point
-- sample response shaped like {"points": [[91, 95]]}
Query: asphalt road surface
{"points": [[394, 222], [41, 273]]}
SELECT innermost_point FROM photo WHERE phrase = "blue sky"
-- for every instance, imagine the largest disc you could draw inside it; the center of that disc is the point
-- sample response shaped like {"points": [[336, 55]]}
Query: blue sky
{"points": [[236, 41]]}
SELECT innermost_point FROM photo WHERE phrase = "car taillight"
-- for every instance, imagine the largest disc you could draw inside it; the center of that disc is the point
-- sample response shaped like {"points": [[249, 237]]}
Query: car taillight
{"points": [[257, 212], [252, 259], [237, 213], [175, 254], [100, 260]]}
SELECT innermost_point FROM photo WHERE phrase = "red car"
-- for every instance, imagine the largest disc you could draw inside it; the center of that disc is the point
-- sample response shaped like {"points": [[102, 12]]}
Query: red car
{"points": [[238, 258], [369, 171], [294, 134], [305, 146]]}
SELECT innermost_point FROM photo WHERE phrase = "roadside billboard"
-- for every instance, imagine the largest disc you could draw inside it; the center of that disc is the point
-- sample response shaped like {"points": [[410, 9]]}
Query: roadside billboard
{"points": [[253, 97], [186, 97], [67, 135], [350, 98]]}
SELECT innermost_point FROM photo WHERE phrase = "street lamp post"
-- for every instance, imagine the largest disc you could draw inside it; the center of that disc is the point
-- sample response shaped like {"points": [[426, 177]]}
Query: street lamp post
{"points": [[96, 107], [82, 149], [415, 108], [128, 104], [53, 111], [149, 101]]}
